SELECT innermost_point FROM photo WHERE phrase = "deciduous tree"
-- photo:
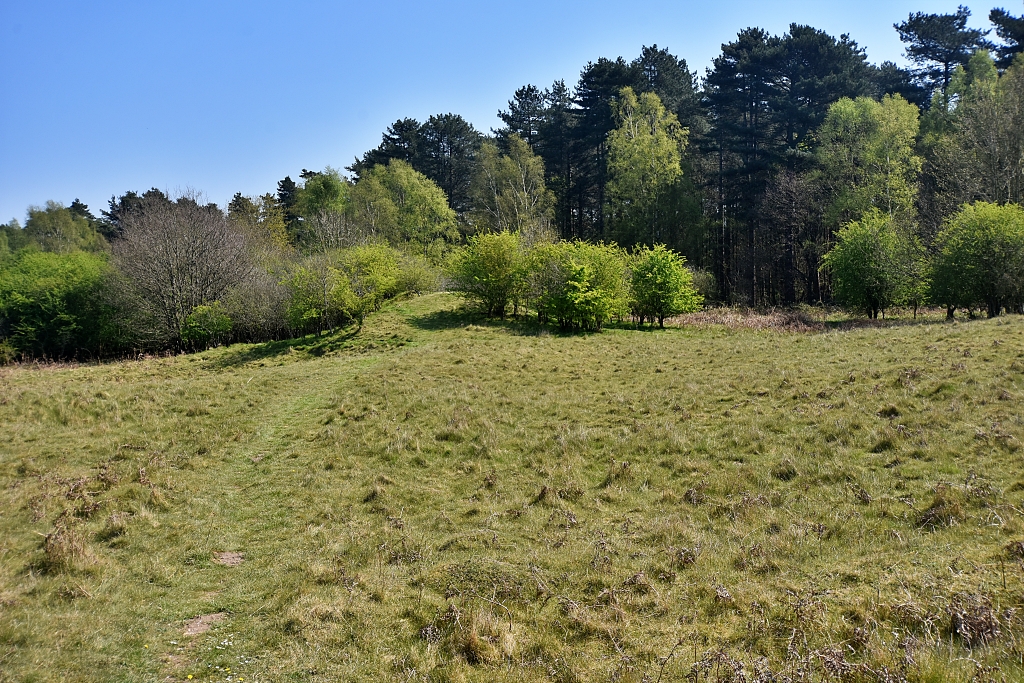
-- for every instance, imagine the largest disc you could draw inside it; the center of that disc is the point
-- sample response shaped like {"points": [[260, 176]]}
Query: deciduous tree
{"points": [[644, 155], [403, 206], [179, 255], [490, 270], [509, 192], [868, 158], [980, 260]]}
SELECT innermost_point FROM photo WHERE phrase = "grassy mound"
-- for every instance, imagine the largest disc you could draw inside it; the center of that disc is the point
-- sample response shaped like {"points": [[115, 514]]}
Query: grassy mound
{"points": [[437, 498]]}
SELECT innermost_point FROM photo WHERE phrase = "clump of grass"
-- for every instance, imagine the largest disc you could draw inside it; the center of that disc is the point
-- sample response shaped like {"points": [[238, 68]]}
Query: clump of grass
{"points": [[948, 508], [883, 445], [374, 494], [115, 527], [571, 491], [618, 472], [890, 412], [65, 546], [784, 470], [973, 619]]}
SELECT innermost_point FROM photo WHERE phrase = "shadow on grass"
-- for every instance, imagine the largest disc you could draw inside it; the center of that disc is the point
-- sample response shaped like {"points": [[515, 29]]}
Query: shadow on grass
{"points": [[309, 345], [525, 325], [446, 319], [464, 316]]}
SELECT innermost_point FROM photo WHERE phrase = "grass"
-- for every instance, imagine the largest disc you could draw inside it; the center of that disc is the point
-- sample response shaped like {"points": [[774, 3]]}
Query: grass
{"points": [[439, 498]]}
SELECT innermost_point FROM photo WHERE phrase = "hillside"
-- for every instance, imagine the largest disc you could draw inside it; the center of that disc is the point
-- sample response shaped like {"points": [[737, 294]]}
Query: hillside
{"points": [[436, 497]]}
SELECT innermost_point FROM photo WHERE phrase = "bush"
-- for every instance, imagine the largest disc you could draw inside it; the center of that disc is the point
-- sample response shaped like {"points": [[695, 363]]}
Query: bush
{"points": [[330, 289], [205, 326], [660, 285], [872, 264], [373, 275], [578, 284], [705, 284], [980, 260], [321, 298], [416, 276], [53, 305], [491, 271], [258, 310]]}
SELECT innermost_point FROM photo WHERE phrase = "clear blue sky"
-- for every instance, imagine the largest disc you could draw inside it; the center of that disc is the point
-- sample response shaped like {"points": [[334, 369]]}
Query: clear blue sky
{"points": [[97, 98]]}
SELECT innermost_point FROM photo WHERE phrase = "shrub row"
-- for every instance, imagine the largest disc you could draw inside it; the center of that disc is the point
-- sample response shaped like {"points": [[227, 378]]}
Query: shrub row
{"points": [[80, 304], [976, 262], [578, 285]]}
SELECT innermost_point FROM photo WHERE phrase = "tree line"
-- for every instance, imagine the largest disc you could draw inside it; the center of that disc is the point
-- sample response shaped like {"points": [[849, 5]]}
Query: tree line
{"points": [[793, 170]]}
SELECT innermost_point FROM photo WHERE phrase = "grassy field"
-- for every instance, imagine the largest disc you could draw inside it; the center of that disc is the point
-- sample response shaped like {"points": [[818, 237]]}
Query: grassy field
{"points": [[440, 498]]}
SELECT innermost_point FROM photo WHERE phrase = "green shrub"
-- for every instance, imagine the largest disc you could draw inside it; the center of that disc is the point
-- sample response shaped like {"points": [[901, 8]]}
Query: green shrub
{"points": [[334, 288], [705, 284], [374, 276], [491, 271], [578, 284], [320, 296], [980, 260], [872, 264], [660, 285], [206, 326], [52, 304], [416, 276]]}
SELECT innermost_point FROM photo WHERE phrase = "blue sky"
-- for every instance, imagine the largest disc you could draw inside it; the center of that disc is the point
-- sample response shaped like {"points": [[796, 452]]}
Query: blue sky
{"points": [[103, 97]]}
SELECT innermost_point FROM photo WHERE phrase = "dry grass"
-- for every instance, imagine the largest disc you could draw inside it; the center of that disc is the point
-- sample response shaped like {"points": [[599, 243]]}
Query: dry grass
{"points": [[439, 498]]}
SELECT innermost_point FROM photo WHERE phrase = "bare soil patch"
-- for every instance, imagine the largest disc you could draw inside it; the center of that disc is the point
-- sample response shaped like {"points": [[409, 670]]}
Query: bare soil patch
{"points": [[203, 623], [229, 558]]}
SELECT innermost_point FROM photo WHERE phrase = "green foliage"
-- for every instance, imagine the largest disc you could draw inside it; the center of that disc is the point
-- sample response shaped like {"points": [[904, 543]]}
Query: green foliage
{"points": [[262, 220], [490, 270], [868, 159], [330, 289], [705, 284], [5, 246], [644, 162], [321, 297], [374, 276], [980, 260], [509, 192], [980, 155], [206, 326], [872, 264], [979, 74], [324, 192], [938, 43], [416, 275], [580, 285], [54, 228], [660, 285], [51, 304], [1011, 30], [403, 206]]}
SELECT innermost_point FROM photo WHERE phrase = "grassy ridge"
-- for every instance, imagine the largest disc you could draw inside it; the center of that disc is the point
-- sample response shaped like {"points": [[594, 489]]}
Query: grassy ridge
{"points": [[435, 498]]}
